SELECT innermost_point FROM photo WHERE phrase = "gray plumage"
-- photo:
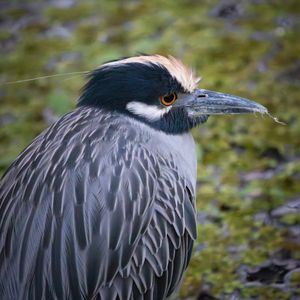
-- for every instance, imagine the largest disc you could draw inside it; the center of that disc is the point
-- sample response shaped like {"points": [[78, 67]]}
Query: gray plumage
{"points": [[97, 208]]}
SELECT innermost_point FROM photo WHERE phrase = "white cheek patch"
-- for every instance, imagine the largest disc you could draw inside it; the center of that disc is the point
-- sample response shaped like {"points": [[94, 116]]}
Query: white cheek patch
{"points": [[150, 112]]}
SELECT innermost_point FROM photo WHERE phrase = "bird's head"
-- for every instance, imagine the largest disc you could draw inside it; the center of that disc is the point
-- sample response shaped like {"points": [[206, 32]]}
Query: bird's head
{"points": [[160, 91]]}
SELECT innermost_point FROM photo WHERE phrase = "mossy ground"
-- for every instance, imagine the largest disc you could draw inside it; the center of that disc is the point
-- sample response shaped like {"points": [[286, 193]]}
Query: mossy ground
{"points": [[249, 166]]}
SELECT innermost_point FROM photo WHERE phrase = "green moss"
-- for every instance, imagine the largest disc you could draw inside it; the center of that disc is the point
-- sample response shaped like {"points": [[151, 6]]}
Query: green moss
{"points": [[291, 219], [266, 293], [59, 102], [5, 35], [295, 280], [71, 14]]}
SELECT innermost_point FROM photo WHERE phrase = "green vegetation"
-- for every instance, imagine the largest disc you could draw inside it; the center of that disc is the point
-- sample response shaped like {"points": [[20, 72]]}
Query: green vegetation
{"points": [[249, 166]]}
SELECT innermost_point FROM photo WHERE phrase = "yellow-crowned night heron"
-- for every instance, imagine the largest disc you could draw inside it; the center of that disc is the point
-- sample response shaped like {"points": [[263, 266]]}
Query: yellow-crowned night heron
{"points": [[101, 205]]}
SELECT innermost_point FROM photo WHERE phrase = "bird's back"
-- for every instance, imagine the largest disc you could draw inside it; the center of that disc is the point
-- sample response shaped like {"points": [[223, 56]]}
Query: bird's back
{"points": [[97, 207]]}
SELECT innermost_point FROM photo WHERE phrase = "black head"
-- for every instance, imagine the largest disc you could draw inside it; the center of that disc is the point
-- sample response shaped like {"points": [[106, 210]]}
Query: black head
{"points": [[157, 90]]}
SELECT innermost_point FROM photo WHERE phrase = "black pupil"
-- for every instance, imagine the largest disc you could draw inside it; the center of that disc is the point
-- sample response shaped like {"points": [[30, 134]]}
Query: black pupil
{"points": [[169, 98]]}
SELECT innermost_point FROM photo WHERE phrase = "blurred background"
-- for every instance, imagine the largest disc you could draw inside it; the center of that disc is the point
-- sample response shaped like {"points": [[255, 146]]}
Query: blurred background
{"points": [[248, 199]]}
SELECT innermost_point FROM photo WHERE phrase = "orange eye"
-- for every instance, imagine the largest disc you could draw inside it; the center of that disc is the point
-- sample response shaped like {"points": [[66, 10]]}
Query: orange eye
{"points": [[168, 100]]}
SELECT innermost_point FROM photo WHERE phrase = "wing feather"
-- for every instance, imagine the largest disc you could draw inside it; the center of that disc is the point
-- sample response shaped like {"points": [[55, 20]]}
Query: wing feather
{"points": [[91, 213]]}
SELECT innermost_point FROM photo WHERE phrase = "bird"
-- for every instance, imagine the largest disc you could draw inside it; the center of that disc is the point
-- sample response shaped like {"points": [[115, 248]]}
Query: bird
{"points": [[101, 205]]}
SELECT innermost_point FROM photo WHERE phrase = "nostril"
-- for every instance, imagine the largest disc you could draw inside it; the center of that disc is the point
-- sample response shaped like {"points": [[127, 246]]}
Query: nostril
{"points": [[202, 96]]}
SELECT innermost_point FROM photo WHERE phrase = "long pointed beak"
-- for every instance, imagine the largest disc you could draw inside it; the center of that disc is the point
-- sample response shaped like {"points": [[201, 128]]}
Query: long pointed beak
{"points": [[205, 102]]}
